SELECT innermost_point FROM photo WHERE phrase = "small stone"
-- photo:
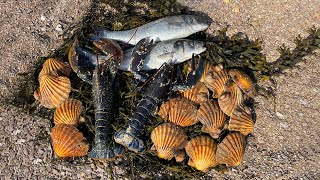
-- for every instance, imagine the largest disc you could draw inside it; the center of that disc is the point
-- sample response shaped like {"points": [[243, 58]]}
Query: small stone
{"points": [[236, 9], [284, 125], [43, 18], [58, 28], [56, 172], [36, 161], [17, 131], [281, 116], [20, 141], [42, 29], [227, 1]]}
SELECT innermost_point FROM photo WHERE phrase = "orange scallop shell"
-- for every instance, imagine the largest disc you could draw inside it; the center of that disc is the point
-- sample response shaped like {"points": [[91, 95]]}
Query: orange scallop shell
{"points": [[216, 79], [199, 93], [168, 140], [67, 141], [56, 66], [69, 112], [243, 81], [212, 118], [180, 111], [53, 90], [231, 150], [202, 153], [241, 121], [230, 98]]}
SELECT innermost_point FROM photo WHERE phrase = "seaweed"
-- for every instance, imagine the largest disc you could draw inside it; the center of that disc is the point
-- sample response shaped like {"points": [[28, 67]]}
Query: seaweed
{"points": [[236, 51]]}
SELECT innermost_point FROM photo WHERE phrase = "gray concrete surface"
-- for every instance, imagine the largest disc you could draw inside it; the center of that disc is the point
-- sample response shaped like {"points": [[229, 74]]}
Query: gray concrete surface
{"points": [[285, 142]]}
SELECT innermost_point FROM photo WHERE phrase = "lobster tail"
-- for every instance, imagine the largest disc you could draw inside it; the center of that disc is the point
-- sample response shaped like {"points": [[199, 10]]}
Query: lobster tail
{"points": [[104, 146]]}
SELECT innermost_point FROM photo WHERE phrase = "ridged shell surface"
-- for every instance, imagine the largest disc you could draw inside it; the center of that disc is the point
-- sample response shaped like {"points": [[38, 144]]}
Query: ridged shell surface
{"points": [[180, 111], [202, 153], [230, 98], [241, 121], [199, 93], [54, 65], [231, 150], [243, 81], [68, 112], [168, 139], [53, 90], [67, 141], [212, 118], [216, 79]]}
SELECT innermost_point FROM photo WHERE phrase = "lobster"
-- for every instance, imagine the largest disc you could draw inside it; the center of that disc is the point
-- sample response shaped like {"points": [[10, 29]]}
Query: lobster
{"points": [[100, 72], [130, 135]]}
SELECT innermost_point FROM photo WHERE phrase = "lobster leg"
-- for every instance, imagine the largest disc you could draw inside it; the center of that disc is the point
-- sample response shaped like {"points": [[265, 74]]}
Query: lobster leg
{"points": [[139, 54], [104, 147], [130, 136]]}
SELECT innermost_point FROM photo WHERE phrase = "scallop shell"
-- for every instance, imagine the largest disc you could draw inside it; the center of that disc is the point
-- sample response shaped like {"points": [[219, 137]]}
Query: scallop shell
{"points": [[67, 141], [53, 90], [243, 81], [54, 65], [199, 93], [230, 98], [216, 79], [69, 112], [212, 118], [230, 151], [168, 139], [180, 111], [202, 153], [241, 121]]}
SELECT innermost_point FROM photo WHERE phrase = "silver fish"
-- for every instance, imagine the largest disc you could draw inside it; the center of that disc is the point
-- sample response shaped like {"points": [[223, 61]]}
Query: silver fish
{"points": [[171, 27], [173, 51]]}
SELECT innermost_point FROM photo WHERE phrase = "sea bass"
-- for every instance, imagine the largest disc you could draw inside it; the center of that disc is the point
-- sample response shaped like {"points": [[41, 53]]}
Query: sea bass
{"points": [[171, 27], [173, 51]]}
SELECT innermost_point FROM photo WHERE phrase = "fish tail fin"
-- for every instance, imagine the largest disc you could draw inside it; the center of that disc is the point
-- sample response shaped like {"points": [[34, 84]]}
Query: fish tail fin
{"points": [[100, 33]]}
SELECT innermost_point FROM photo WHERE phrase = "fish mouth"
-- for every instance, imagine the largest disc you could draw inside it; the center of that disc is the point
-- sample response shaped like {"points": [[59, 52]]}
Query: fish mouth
{"points": [[202, 23]]}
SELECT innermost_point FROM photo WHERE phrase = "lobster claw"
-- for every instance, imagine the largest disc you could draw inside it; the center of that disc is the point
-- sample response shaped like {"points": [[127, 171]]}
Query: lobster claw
{"points": [[113, 52], [138, 56], [82, 62], [193, 77]]}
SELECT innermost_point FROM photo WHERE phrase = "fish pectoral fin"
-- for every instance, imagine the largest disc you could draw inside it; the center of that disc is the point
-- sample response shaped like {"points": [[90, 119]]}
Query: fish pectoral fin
{"points": [[166, 55]]}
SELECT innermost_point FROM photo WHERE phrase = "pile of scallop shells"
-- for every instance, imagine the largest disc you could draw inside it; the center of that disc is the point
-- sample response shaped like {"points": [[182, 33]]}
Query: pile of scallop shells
{"points": [[53, 92], [224, 110]]}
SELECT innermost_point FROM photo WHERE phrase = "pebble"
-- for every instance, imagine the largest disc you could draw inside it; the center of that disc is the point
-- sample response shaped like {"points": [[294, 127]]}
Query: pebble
{"points": [[43, 18], [284, 125], [58, 28], [20, 141], [36, 161], [17, 131], [281, 116]]}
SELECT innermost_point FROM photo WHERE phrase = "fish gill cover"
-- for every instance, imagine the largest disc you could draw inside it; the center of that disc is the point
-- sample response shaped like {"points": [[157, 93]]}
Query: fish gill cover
{"points": [[236, 51]]}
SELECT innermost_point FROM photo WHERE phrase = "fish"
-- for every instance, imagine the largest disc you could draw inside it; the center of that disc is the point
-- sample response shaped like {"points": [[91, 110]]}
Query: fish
{"points": [[172, 51], [167, 28]]}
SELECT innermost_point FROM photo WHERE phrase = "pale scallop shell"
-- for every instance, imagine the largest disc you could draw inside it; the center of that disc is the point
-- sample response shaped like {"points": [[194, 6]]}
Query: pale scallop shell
{"points": [[180, 111], [216, 79], [202, 153], [199, 93], [241, 121], [55, 66], [230, 98], [67, 141], [53, 90], [231, 150], [243, 81], [168, 139], [69, 112], [212, 118]]}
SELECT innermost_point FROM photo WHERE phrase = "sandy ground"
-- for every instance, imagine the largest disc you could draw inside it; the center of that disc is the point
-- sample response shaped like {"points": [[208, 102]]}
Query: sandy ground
{"points": [[285, 143]]}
